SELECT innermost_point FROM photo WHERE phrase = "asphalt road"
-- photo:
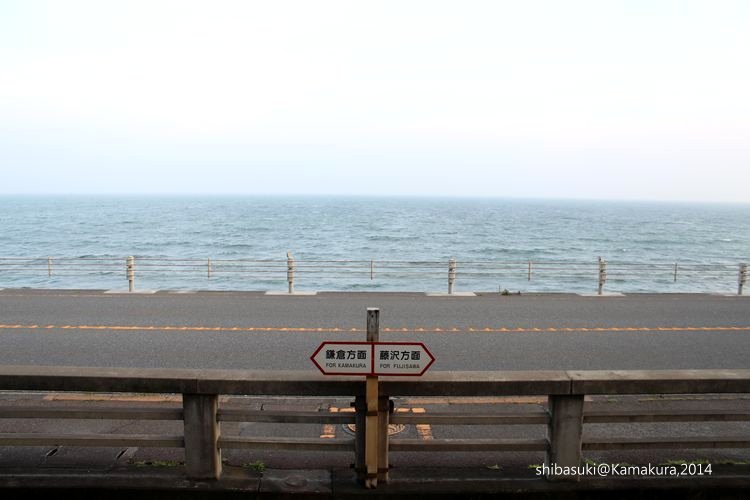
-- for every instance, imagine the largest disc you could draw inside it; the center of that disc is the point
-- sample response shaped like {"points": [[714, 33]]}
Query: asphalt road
{"points": [[251, 330]]}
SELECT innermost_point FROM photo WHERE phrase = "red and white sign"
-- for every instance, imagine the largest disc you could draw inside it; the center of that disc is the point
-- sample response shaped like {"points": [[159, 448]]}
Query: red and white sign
{"points": [[373, 358], [401, 358]]}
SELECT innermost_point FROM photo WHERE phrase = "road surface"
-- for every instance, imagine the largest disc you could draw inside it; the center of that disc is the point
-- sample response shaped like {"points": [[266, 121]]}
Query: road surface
{"points": [[251, 330]]}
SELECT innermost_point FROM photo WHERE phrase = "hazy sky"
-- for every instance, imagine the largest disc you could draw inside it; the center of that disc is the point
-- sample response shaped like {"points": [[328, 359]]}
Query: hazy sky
{"points": [[601, 99]]}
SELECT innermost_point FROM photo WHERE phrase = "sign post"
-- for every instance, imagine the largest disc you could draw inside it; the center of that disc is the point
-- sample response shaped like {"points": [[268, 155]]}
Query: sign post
{"points": [[371, 397], [371, 359]]}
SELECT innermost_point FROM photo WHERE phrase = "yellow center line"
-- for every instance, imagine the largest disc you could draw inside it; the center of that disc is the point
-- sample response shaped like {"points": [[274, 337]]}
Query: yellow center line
{"points": [[188, 328], [424, 430]]}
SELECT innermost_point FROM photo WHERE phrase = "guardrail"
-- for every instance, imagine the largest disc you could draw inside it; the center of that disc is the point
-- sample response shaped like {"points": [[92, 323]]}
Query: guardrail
{"points": [[363, 271], [202, 415]]}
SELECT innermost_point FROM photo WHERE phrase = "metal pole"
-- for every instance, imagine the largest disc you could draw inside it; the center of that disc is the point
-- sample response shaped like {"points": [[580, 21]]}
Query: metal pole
{"points": [[372, 270], [529, 279], [451, 275], [384, 414], [130, 272], [602, 274], [742, 278], [675, 272], [290, 271], [49, 267], [208, 266]]}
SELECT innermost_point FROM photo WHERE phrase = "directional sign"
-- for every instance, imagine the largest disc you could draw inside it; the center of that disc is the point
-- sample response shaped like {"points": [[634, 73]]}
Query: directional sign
{"points": [[373, 358], [344, 358], [401, 358]]}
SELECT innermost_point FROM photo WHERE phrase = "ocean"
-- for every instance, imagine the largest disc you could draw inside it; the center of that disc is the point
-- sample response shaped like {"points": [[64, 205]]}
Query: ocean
{"points": [[480, 234]]}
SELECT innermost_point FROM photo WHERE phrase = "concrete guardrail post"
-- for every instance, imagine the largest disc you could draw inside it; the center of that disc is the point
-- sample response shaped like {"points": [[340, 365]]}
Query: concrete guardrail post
{"points": [[564, 432], [602, 274], [290, 267], [130, 272], [742, 278], [451, 275], [202, 454]]}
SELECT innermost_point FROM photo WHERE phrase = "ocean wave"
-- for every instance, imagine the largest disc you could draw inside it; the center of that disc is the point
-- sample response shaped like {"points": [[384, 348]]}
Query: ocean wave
{"points": [[352, 229]]}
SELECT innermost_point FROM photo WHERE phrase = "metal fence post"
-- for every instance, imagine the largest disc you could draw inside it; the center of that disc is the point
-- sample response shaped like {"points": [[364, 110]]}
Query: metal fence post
{"points": [[741, 278], [202, 454], [208, 267], [130, 272], [451, 275], [49, 267], [360, 423], [290, 271], [384, 413], [529, 277], [602, 274], [564, 432], [675, 272]]}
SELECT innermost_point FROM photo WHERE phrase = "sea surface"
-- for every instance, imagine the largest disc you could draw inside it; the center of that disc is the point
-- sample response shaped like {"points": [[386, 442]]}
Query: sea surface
{"points": [[507, 233]]}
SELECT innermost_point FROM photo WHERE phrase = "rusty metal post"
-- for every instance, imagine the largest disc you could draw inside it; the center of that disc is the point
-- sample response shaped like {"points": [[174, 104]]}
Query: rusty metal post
{"points": [[290, 271], [741, 278], [451, 275], [130, 272], [602, 274]]}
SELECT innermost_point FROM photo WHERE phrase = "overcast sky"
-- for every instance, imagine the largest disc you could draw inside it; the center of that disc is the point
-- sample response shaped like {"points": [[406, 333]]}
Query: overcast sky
{"points": [[601, 99]]}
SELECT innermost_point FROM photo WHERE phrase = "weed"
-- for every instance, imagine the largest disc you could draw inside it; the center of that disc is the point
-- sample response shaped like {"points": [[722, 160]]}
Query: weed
{"points": [[257, 466]]}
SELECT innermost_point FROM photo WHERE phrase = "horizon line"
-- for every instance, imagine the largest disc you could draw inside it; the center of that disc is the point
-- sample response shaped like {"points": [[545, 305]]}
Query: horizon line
{"points": [[364, 196]]}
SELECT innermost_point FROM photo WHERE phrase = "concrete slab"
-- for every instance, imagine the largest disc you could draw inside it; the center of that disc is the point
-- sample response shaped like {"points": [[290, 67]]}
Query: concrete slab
{"points": [[141, 292], [271, 292], [296, 482], [454, 294]]}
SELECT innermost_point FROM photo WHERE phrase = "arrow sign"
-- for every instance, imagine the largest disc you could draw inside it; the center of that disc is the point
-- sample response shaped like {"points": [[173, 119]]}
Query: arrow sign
{"points": [[344, 358], [401, 358], [373, 358]]}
